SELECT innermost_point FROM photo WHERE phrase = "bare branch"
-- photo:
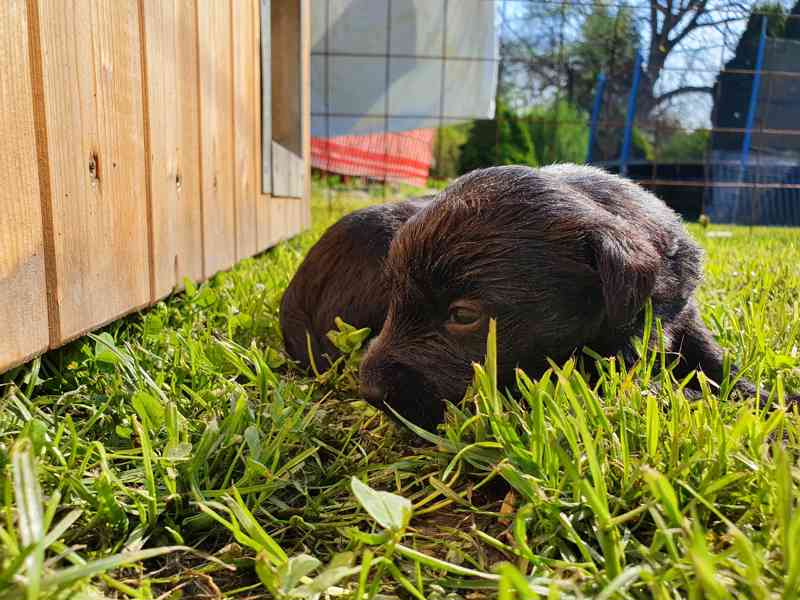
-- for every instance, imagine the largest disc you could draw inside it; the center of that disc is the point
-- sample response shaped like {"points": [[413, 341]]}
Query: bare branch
{"points": [[688, 89]]}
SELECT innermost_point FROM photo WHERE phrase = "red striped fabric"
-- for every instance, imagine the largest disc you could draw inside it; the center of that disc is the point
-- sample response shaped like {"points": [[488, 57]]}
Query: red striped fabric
{"points": [[405, 156]]}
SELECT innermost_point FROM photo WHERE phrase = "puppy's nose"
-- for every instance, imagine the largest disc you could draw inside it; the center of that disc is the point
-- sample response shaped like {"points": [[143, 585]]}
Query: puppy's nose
{"points": [[372, 393]]}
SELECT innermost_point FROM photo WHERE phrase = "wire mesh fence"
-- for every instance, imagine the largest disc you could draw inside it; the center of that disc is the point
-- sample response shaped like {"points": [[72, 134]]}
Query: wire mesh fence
{"points": [[697, 100]]}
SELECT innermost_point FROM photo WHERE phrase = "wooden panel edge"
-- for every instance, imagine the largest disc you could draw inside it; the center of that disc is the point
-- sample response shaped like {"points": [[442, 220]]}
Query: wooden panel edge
{"points": [[148, 175], [305, 16], [43, 167]]}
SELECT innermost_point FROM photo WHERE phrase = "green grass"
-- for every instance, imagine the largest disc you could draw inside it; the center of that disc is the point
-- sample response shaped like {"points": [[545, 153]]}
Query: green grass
{"points": [[176, 454]]}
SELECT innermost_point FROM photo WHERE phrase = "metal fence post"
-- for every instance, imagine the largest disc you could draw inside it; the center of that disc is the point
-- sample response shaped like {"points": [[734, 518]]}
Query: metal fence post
{"points": [[751, 117], [753, 106], [629, 118], [599, 89]]}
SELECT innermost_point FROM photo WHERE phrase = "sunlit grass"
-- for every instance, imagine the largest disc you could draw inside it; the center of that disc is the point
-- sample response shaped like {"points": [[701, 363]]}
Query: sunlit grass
{"points": [[177, 453]]}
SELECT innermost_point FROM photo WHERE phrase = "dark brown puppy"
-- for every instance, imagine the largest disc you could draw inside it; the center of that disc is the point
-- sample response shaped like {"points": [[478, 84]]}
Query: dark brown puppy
{"points": [[342, 276], [563, 257]]}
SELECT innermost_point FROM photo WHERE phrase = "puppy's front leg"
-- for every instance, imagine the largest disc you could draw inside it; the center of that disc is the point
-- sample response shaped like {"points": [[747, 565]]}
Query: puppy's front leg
{"points": [[700, 351]]}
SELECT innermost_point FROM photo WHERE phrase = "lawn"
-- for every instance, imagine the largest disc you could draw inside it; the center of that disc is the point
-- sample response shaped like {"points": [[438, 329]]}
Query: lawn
{"points": [[177, 454]]}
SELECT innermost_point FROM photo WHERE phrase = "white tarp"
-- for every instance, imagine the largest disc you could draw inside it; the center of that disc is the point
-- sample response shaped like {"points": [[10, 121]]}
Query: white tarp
{"points": [[397, 65]]}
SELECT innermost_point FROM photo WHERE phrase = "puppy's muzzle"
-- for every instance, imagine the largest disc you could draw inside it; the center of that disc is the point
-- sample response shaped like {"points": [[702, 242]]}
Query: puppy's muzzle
{"points": [[373, 393]]}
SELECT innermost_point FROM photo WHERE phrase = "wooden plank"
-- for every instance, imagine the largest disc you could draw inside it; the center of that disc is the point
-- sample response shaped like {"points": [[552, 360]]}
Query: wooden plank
{"points": [[281, 170], [279, 219], [286, 75], [169, 33], [216, 133], [23, 307], [244, 66], [287, 98], [306, 95], [295, 216], [265, 76], [92, 85], [296, 179], [158, 31], [288, 168], [261, 104], [189, 214]]}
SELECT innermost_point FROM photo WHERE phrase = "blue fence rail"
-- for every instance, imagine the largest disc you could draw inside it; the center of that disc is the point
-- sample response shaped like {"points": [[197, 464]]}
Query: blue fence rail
{"points": [[764, 194]]}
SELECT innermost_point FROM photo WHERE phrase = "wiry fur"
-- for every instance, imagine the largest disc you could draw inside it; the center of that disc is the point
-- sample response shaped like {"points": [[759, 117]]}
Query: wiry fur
{"points": [[563, 257], [342, 275]]}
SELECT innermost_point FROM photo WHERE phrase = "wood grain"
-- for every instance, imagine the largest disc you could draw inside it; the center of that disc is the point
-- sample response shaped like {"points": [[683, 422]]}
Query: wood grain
{"points": [[169, 38], [279, 219], [216, 133], [189, 227], [92, 87], [261, 106], [305, 62], [286, 76], [264, 19], [287, 98], [23, 308], [244, 80]]}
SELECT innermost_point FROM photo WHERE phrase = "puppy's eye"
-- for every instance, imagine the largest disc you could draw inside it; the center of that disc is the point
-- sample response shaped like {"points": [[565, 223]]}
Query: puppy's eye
{"points": [[462, 315]]}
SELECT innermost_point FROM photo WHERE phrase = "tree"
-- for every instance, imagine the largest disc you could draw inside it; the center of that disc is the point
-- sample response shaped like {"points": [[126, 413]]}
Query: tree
{"points": [[506, 140], [681, 24], [608, 44], [550, 51], [447, 150], [684, 146], [559, 132]]}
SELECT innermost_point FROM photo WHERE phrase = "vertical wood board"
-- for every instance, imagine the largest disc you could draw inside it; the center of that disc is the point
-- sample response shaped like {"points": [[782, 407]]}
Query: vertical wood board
{"points": [[244, 80], [287, 98], [216, 131], [287, 74], [92, 85], [287, 169], [265, 73], [189, 222], [170, 41], [261, 104], [279, 222], [23, 307], [305, 62]]}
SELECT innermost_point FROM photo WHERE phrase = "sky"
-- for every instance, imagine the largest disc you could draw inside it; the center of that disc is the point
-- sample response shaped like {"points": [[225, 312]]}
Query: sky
{"points": [[696, 61]]}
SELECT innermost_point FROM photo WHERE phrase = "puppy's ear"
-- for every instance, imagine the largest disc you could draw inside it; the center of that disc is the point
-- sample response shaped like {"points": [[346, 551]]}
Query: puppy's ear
{"points": [[626, 263]]}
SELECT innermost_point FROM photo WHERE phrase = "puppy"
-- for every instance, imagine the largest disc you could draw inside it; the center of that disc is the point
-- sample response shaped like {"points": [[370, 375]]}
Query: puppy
{"points": [[563, 257], [342, 276]]}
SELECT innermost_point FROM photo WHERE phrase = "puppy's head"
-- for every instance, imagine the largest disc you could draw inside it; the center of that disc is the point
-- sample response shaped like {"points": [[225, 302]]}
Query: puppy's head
{"points": [[553, 267]]}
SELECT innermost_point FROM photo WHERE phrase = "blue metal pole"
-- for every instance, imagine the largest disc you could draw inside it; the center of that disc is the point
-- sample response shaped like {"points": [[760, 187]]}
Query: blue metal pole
{"points": [[629, 118], [751, 109], [599, 89]]}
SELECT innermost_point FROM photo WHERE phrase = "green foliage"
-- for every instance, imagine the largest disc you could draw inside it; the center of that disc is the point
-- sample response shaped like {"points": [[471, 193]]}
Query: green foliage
{"points": [[480, 149], [607, 44], [684, 146], [447, 150], [641, 146], [557, 132], [560, 133], [506, 140], [178, 451]]}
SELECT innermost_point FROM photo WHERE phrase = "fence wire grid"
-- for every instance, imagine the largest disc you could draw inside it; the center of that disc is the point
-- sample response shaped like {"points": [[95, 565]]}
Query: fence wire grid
{"points": [[698, 101]]}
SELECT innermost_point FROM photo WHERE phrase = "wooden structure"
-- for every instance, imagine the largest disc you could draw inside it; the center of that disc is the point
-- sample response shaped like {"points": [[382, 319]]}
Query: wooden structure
{"points": [[131, 152]]}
